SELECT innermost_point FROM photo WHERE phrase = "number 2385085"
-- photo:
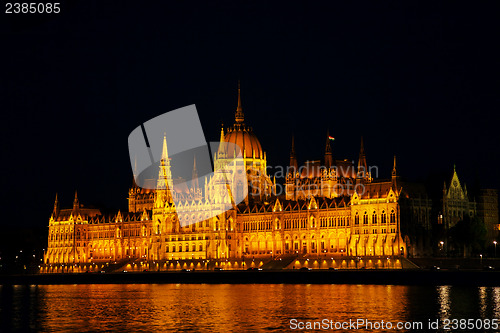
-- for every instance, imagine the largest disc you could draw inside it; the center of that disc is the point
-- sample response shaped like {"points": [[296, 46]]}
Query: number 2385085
{"points": [[32, 8]]}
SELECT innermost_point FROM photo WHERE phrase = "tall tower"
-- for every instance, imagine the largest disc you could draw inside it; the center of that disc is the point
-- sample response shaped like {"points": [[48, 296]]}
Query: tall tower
{"points": [[219, 189], [164, 183]]}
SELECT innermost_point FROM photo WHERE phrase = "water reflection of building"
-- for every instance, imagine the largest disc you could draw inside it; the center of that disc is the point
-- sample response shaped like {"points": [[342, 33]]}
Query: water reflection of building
{"points": [[331, 209]]}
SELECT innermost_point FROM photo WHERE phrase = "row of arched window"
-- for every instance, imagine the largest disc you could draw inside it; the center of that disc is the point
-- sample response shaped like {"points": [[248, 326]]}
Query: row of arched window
{"points": [[185, 248], [257, 225], [374, 218], [337, 221]]}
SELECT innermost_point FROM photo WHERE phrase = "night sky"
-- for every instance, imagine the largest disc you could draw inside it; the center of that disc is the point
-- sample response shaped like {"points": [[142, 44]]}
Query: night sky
{"points": [[417, 80]]}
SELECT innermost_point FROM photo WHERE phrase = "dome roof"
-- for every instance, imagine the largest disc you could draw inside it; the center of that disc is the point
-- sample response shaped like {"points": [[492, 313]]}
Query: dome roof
{"points": [[242, 135]]}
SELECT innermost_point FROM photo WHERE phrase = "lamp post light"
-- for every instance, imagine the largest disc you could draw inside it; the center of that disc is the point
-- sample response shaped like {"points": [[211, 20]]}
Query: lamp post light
{"points": [[441, 243], [495, 242]]}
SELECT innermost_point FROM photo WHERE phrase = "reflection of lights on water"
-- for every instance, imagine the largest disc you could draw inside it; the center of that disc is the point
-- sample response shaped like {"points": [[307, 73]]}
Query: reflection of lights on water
{"points": [[482, 301], [444, 301], [496, 302]]}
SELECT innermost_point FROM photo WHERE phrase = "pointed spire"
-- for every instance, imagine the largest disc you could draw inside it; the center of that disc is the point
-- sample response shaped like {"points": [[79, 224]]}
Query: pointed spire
{"points": [[56, 207], [164, 175], [135, 166], [222, 133], [394, 167], [328, 151], [239, 116], [134, 176], [394, 175], [293, 157], [274, 185], [328, 147], [222, 147], [362, 166], [194, 181], [76, 203], [164, 152]]}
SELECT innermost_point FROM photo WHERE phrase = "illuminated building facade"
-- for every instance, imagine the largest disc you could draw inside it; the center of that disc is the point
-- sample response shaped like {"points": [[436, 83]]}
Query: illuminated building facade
{"points": [[329, 210]]}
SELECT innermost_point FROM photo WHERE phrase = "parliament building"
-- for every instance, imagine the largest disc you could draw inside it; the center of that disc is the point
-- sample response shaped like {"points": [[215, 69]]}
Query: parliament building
{"points": [[332, 214]]}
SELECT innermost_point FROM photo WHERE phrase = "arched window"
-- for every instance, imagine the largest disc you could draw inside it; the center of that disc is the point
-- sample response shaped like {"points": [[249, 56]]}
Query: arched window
{"points": [[365, 218], [374, 218], [356, 219], [393, 217], [384, 217]]}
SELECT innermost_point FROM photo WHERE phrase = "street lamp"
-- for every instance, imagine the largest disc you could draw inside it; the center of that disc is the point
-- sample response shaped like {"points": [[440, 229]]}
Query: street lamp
{"points": [[495, 242]]}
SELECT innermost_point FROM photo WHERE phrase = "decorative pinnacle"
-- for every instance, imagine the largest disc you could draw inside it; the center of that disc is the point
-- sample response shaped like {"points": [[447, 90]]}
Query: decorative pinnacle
{"points": [[164, 152], [394, 167], [222, 133], [239, 116]]}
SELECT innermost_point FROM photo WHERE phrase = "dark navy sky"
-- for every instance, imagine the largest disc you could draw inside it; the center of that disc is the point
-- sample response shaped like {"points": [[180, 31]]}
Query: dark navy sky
{"points": [[417, 80]]}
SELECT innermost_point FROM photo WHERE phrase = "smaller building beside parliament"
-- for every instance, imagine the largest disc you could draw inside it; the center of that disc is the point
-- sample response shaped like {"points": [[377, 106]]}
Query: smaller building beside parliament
{"points": [[332, 215]]}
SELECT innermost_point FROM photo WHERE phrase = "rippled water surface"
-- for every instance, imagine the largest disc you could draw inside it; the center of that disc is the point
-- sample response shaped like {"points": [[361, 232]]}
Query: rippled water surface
{"points": [[237, 308]]}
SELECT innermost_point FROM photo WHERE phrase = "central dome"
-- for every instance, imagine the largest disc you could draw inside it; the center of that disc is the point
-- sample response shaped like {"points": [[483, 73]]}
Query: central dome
{"points": [[243, 136]]}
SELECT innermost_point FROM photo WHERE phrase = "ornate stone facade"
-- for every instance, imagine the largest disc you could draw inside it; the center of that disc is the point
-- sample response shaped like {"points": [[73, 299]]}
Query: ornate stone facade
{"points": [[331, 210]]}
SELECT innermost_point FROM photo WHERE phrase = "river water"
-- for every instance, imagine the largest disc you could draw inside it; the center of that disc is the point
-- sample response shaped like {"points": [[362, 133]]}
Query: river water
{"points": [[244, 307]]}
